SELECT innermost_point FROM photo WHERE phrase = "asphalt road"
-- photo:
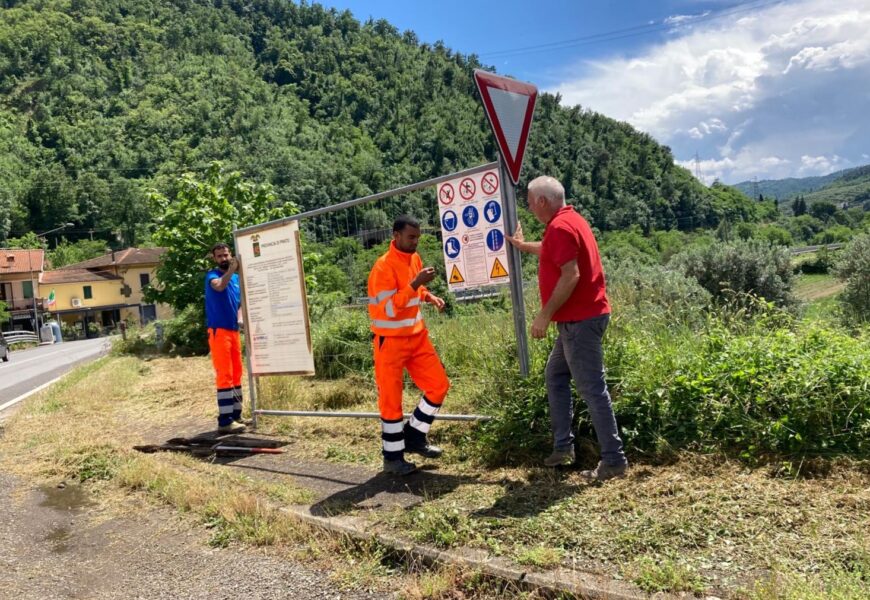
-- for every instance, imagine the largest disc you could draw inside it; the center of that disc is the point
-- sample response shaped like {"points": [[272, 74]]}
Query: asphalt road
{"points": [[28, 369]]}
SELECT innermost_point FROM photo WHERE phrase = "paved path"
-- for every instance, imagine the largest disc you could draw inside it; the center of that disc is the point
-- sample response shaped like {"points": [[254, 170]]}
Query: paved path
{"points": [[28, 369]]}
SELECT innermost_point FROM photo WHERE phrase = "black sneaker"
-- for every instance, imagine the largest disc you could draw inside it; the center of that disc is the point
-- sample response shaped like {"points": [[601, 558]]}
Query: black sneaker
{"points": [[424, 449], [400, 466]]}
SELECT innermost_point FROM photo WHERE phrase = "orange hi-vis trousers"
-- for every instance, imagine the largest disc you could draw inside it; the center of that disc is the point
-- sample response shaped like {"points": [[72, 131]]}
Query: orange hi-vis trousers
{"points": [[226, 356], [393, 355]]}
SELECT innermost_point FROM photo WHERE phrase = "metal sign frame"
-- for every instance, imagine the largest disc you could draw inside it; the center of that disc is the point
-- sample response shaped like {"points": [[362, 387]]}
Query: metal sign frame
{"points": [[508, 201]]}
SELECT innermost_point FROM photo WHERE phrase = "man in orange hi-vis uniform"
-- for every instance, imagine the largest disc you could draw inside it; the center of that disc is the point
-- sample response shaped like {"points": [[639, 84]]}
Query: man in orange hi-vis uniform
{"points": [[401, 341]]}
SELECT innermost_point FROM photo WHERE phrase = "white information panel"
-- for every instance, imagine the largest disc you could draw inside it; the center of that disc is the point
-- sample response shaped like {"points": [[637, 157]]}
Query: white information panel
{"points": [[472, 228], [276, 309]]}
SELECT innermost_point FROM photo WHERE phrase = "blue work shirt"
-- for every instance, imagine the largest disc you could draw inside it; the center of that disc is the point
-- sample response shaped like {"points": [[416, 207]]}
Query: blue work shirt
{"points": [[222, 308]]}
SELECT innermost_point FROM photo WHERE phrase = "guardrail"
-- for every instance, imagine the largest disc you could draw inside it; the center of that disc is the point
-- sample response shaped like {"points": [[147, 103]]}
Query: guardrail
{"points": [[808, 249], [20, 337]]}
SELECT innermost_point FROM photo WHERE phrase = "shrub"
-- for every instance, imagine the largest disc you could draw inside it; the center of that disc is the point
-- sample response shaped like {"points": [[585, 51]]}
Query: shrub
{"points": [[741, 267], [342, 344], [186, 334], [853, 267]]}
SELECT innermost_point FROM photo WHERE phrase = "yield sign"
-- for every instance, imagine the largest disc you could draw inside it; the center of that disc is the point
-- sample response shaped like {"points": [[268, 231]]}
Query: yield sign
{"points": [[509, 106]]}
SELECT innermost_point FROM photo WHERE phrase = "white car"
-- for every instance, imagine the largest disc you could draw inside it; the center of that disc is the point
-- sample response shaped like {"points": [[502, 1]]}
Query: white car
{"points": [[4, 349]]}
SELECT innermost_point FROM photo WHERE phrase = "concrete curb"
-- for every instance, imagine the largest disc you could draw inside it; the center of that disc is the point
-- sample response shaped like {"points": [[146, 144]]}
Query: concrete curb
{"points": [[550, 583]]}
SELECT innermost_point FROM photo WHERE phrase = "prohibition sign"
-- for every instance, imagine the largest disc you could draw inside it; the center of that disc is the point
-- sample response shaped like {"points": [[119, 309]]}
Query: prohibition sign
{"points": [[489, 183], [446, 194], [467, 188]]}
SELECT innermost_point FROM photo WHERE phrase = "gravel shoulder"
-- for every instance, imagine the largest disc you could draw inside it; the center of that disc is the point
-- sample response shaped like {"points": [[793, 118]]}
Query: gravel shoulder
{"points": [[58, 543]]}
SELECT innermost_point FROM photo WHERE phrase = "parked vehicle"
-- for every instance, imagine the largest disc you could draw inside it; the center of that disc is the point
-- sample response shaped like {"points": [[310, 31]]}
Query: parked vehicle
{"points": [[4, 349]]}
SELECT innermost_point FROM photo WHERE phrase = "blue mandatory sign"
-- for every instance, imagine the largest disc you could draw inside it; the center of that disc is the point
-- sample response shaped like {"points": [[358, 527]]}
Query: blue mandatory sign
{"points": [[492, 211], [449, 220], [451, 247], [470, 216], [495, 240]]}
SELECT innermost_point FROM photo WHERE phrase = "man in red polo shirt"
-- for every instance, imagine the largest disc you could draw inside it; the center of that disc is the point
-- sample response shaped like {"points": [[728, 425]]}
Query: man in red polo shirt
{"points": [[574, 296]]}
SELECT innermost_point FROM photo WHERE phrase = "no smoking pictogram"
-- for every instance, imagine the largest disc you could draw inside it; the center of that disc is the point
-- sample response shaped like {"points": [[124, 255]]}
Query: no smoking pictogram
{"points": [[467, 188], [446, 194], [489, 183]]}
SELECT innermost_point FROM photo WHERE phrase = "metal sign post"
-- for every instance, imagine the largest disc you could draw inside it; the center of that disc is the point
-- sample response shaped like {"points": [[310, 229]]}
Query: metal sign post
{"points": [[509, 201]]}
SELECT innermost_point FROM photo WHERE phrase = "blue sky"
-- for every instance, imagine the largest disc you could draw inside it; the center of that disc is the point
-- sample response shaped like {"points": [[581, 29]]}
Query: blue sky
{"points": [[757, 88]]}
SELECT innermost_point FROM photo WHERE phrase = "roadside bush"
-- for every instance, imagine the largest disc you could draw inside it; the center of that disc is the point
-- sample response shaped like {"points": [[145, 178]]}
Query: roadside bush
{"points": [[748, 267], [766, 389], [853, 267], [185, 334]]}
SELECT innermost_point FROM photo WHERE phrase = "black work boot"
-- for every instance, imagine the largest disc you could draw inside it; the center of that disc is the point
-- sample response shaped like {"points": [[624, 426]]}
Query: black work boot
{"points": [[416, 443], [399, 466]]}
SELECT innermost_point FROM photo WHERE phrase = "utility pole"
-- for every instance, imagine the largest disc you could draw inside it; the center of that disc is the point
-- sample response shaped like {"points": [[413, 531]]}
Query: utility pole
{"points": [[698, 168]]}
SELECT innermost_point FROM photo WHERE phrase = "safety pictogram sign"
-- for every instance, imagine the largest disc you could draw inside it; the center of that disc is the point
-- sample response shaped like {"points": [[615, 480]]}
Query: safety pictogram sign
{"points": [[445, 194], [509, 105], [472, 228], [498, 270], [467, 187], [489, 183]]}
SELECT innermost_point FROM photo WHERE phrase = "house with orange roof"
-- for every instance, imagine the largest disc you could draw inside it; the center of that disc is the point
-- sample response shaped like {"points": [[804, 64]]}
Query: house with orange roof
{"points": [[19, 277], [104, 291]]}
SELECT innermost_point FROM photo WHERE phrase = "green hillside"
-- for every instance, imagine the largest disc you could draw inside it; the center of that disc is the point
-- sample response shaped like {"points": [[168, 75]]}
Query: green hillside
{"points": [[852, 188], [849, 185], [101, 100]]}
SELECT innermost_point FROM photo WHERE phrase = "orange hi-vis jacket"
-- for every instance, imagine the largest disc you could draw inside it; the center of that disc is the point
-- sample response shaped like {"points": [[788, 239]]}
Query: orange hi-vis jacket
{"points": [[394, 306]]}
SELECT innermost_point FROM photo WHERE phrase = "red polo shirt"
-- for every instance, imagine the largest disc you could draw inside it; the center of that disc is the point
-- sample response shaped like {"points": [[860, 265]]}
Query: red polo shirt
{"points": [[568, 237]]}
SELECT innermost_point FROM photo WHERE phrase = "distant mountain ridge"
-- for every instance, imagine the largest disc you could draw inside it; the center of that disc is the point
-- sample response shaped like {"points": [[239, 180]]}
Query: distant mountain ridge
{"points": [[784, 189]]}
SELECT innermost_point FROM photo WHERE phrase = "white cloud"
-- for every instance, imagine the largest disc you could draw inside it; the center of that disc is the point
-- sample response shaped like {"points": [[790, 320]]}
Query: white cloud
{"points": [[754, 96]]}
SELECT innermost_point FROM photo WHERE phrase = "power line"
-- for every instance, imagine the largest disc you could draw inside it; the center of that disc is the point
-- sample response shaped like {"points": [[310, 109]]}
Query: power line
{"points": [[629, 32]]}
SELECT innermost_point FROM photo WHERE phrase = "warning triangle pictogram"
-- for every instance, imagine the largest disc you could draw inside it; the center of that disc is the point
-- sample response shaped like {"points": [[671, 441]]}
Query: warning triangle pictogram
{"points": [[498, 270], [456, 276], [509, 105]]}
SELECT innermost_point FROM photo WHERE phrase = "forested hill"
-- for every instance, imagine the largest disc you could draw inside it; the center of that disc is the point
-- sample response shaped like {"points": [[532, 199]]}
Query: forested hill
{"points": [[102, 99], [783, 189]]}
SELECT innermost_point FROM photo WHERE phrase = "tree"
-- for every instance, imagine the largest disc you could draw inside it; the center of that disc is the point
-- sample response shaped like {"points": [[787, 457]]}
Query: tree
{"points": [[798, 206], [195, 216], [823, 210], [853, 267], [4, 314], [68, 253]]}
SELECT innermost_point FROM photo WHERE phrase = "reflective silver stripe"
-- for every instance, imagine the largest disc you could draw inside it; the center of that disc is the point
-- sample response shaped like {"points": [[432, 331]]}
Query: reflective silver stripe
{"points": [[392, 427], [426, 408], [227, 395], [394, 446], [225, 410], [379, 297], [391, 309], [237, 405], [397, 324], [418, 425]]}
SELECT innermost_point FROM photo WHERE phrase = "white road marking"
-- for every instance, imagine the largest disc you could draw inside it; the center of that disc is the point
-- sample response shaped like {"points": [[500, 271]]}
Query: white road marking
{"points": [[26, 395]]}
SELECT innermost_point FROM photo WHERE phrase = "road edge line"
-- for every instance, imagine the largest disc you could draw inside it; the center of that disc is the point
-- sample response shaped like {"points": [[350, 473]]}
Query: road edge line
{"points": [[27, 395]]}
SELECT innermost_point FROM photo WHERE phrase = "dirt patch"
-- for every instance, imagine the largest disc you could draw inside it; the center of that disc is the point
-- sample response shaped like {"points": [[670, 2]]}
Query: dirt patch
{"points": [[60, 543]]}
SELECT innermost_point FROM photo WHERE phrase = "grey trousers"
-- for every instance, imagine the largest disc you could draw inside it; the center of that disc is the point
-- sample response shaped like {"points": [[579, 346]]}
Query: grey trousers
{"points": [[578, 355]]}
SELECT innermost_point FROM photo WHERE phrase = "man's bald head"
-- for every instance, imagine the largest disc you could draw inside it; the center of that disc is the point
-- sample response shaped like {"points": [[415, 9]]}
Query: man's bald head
{"points": [[548, 188]]}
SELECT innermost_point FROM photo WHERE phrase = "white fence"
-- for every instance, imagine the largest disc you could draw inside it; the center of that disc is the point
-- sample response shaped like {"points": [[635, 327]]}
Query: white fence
{"points": [[20, 337]]}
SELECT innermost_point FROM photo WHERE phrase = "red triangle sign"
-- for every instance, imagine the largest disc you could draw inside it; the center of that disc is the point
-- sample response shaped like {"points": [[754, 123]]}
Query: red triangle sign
{"points": [[509, 105]]}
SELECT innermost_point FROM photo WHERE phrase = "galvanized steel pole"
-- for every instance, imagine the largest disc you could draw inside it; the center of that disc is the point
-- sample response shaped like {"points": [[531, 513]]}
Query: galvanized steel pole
{"points": [[509, 201]]}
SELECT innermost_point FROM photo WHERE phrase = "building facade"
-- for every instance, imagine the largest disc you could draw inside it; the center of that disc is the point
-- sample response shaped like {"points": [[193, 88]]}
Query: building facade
{"points": [[19, 281], [98, 294]]}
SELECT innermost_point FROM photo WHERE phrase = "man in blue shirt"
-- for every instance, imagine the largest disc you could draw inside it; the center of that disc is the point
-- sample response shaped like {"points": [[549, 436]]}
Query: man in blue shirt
{"points": [[222, 301]]}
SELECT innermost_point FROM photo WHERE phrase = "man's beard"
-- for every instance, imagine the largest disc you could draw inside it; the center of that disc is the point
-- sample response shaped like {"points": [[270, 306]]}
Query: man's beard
{"points": [[225, 265]]}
